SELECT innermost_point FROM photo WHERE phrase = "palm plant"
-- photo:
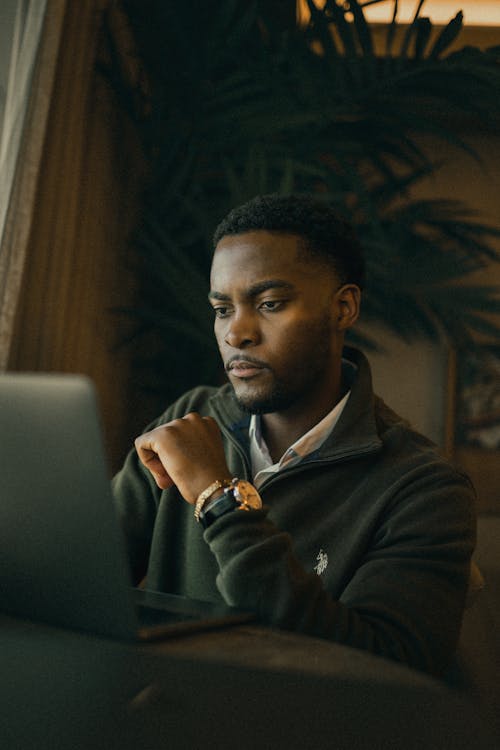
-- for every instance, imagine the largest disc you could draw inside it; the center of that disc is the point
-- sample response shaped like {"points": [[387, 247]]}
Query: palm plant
{"points": [[228, 106]]}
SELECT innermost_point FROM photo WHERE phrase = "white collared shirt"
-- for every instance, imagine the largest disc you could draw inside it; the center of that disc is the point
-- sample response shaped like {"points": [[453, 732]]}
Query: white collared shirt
{"points": [[262, 464]]}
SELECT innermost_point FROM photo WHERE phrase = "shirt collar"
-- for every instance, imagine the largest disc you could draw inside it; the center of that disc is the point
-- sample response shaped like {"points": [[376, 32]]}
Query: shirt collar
{"points": [[306, 444]]}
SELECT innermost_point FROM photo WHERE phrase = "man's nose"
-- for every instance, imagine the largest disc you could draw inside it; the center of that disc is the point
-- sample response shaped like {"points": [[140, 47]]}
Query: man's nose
{"points": [[242, 331]]}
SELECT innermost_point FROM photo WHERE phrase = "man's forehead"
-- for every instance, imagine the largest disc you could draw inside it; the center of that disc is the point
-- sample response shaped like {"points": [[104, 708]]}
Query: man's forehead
{"points": [[259, 252], [259, 256]]}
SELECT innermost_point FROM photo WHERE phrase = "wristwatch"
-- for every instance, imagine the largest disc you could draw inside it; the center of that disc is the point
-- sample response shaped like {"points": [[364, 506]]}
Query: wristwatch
{"points": [[237, 495]]}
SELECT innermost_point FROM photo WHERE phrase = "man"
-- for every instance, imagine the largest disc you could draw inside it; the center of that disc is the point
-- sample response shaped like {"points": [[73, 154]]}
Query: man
{"points": [[292, 490]]}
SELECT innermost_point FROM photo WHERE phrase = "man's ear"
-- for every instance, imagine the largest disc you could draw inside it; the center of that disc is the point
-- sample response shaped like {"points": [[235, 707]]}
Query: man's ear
{"points": [[348, 300]]}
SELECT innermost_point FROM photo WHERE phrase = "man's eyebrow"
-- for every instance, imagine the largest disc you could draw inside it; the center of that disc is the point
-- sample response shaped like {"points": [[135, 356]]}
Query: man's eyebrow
{"points": [[255, 289]]}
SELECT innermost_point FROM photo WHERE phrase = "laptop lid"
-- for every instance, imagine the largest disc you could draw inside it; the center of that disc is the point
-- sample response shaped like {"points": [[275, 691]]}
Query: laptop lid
{"points": [[62, 556]]}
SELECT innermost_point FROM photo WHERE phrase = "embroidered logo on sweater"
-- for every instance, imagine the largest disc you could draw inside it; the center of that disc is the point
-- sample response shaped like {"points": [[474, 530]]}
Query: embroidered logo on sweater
{"points": [[322, 565]]}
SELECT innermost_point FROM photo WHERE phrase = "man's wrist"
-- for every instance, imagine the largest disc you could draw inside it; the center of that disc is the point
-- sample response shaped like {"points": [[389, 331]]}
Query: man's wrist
{"points": [[219, 506], [238, 494], [208, 494]]}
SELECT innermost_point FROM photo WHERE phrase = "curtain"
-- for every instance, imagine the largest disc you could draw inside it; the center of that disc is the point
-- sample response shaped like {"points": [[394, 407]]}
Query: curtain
{"points": [[24, 19]]}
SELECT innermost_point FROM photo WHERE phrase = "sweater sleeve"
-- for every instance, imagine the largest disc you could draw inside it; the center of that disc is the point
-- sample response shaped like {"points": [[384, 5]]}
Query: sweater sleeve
{"points": [[404, 598], [135, 497]]}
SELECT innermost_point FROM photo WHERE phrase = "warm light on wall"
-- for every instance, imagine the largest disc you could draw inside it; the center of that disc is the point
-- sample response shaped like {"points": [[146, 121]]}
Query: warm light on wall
{"points": [[476, 12]]}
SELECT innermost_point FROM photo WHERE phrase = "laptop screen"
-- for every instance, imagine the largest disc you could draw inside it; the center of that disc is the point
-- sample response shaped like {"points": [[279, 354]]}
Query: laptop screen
{"points": [[61, 553]]}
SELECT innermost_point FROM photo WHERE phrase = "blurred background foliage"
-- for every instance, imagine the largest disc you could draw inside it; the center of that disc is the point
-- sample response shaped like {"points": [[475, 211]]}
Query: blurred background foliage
{"points": [[232, 98]]}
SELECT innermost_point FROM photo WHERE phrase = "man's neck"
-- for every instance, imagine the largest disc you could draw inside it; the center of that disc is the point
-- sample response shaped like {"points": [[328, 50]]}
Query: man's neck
{"points": [[282, 429]]}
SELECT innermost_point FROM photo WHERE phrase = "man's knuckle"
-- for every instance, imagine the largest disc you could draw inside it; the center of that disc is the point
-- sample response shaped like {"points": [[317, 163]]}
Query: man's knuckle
{"points": [[191, 416]]}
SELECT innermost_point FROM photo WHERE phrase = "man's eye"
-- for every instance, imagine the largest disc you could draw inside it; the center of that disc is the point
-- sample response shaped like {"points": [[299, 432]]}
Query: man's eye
{"points": [[271, 305], [220, 312]]}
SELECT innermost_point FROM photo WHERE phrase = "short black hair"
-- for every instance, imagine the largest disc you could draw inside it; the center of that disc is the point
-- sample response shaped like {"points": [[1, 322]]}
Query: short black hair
{"points": [[324, 232]]}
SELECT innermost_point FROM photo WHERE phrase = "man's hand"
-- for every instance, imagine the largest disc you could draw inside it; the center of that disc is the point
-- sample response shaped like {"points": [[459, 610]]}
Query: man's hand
{"points": [[187, 452]]}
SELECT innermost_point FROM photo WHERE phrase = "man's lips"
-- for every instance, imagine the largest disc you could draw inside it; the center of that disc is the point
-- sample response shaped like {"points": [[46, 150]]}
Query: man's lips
{"points": [[244, 368]]}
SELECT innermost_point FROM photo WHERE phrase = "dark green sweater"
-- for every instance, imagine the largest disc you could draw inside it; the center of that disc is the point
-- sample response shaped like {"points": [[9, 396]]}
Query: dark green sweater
{"points": [[367, 542]]}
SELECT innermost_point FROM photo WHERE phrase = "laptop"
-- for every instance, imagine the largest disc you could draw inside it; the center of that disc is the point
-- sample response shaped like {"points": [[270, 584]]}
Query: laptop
{"points": [[62, 553]]}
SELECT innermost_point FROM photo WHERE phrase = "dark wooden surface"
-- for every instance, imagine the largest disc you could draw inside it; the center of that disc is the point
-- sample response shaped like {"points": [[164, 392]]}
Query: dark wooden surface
{"points": [[244, 687]]}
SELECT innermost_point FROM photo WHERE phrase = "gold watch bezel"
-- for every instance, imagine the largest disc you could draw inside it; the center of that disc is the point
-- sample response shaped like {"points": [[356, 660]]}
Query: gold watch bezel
{"points": [[245, 494]]}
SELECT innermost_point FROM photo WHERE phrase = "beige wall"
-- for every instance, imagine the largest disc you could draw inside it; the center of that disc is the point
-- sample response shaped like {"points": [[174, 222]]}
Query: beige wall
{"points": [[414, 378], [423, 374]]}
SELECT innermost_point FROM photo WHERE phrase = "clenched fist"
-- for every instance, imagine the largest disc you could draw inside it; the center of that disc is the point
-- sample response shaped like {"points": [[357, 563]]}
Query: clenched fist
{"points": [[187, 452]]}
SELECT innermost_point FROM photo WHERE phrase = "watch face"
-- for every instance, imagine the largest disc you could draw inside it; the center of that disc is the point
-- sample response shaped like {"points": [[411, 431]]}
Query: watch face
{"points": [[246, 494]]}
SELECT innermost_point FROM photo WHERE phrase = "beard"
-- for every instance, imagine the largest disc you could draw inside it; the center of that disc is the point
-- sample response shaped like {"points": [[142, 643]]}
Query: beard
{"points": [[308, 359], [278, 399]]}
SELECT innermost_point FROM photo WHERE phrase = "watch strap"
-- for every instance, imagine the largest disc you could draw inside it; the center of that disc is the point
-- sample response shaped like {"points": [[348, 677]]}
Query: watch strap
{"points": [[204, 496], [218, 507]]}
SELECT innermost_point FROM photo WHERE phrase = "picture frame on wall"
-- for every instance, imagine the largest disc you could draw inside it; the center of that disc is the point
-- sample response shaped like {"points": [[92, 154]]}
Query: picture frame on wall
{"points": [[477, 421], [473, 421]]}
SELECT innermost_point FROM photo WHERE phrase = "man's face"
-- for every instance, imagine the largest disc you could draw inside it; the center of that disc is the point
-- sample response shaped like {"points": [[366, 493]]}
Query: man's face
{"points": [[276, 321]]}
